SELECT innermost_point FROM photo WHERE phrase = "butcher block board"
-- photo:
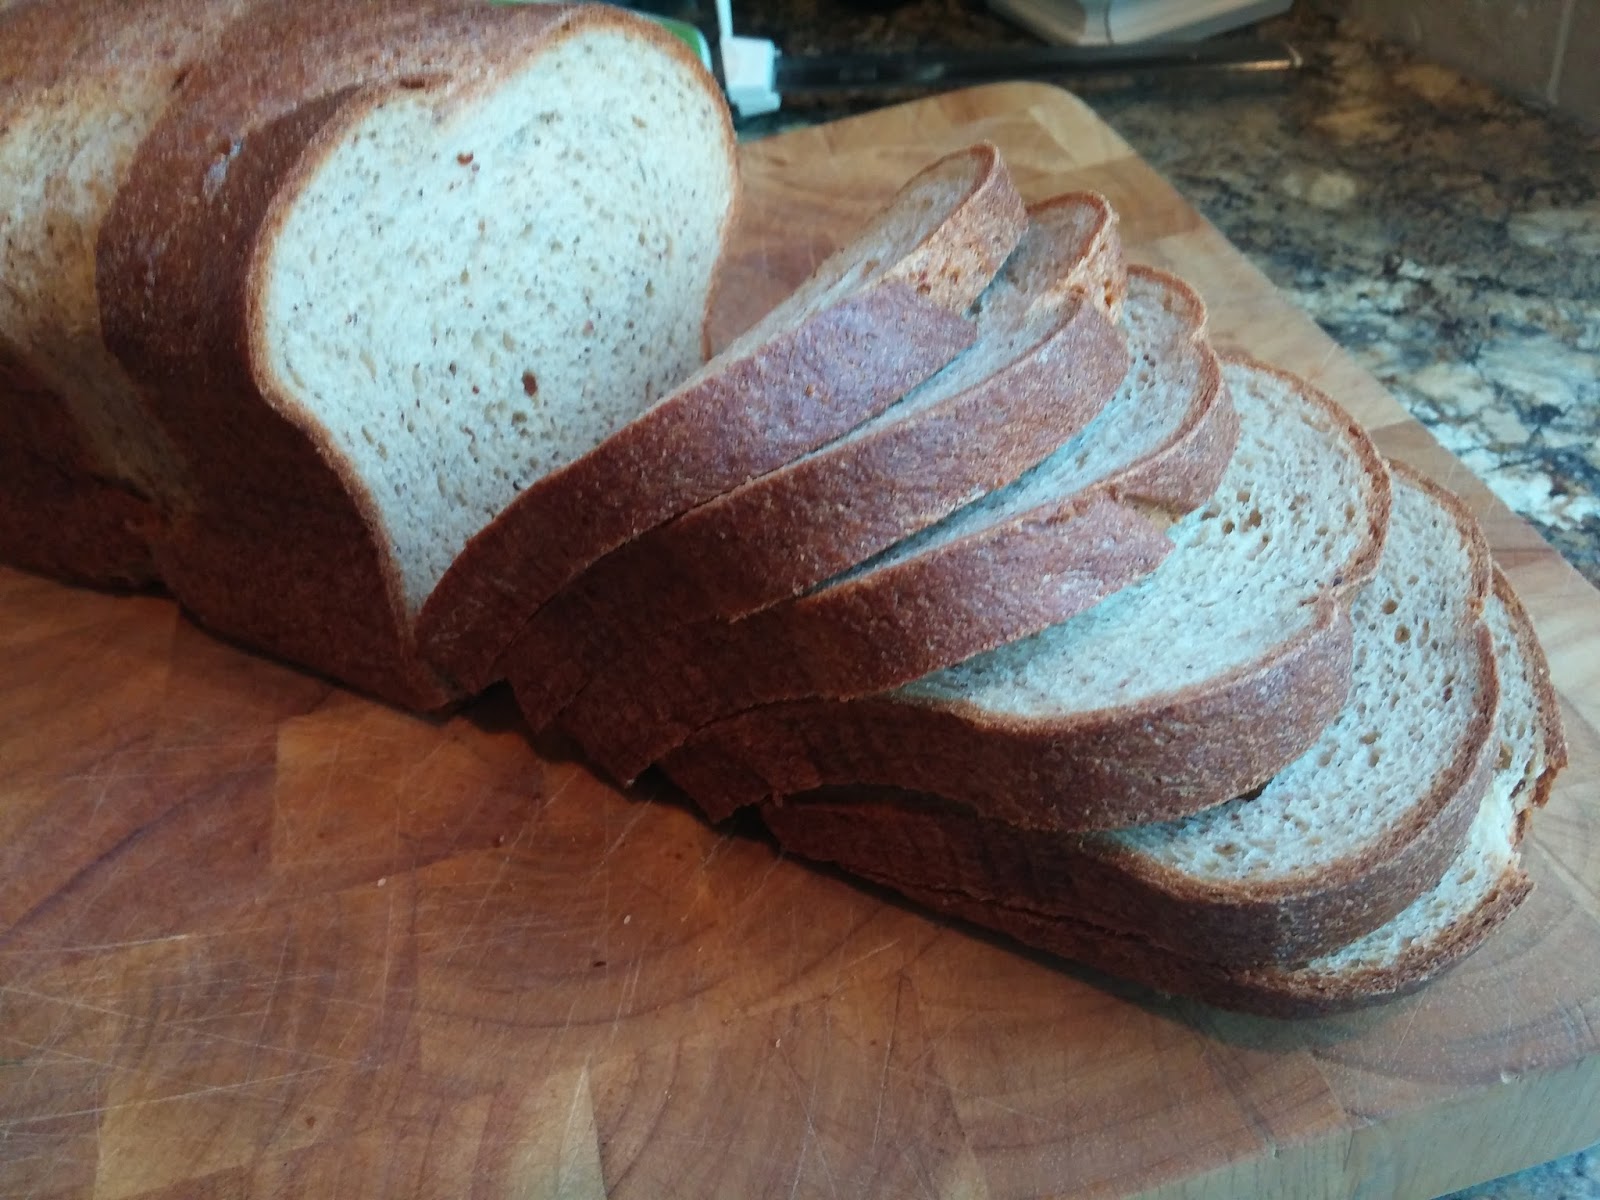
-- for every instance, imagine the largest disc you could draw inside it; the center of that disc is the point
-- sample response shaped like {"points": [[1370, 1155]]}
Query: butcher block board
{"points": [[262, 937]]}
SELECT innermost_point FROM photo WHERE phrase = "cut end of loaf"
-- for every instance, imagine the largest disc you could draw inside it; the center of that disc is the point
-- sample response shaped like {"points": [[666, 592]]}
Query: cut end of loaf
{"points": [[469, 294]]}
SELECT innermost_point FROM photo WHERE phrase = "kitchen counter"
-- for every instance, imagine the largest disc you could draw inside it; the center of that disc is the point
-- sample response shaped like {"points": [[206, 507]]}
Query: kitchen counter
{"points": [[1447, 236]]}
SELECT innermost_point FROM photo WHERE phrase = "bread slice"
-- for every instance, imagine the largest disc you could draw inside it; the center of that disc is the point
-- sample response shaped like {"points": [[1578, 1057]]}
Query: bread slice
{"points": [[81, 470], [876, 319], [1193, 686], [381, 268], [1479, 889], [1334, 845], [1083, 524], [1046, 361]]}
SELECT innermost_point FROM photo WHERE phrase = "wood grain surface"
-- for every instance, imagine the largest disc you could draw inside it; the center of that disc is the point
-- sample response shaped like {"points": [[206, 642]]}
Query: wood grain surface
{"points": [[261, 937]]}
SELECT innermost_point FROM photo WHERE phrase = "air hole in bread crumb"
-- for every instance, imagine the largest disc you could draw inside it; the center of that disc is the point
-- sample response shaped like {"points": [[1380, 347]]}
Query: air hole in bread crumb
{"points": [[530, 384], [1402, 635], [1389, 606], [464, 157]]}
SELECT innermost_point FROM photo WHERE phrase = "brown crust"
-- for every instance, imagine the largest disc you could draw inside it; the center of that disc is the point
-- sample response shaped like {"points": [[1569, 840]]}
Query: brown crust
{"points": [[805, 522], [1552, 732], [1129, 765], [875, 632], [797, 392], [278, 548], [1267, 991]]}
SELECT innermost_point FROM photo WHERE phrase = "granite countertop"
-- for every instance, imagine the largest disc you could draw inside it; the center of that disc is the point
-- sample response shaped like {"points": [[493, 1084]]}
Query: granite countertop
{"points": [[1445, 235]]}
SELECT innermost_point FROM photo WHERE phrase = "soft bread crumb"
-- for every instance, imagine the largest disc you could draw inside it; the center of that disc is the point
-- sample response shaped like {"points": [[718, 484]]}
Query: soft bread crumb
{"points": [[470, 298], [1411, 709]]}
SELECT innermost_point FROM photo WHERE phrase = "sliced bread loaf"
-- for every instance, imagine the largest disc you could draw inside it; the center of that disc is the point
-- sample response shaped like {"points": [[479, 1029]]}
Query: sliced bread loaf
{"points": [[1046, 360], [81, 469], [1082, 524], [382, 267], [876, 319], [1188, 688], [1479, 889], [1334, 845]]}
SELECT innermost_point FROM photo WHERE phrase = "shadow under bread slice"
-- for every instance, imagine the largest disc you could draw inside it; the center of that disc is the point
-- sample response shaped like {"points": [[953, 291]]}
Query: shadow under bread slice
{"points": [[1047, 359], [1086, 522], [1331, 847], [1479, 889], [1194, 685]]}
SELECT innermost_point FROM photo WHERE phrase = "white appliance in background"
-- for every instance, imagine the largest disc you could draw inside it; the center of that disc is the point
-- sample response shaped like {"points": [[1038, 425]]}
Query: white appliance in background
{"points": [[1092, 35], [1118, 22]]}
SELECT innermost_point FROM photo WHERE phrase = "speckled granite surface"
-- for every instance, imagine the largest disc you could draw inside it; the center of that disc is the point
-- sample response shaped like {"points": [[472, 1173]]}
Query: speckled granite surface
{"points": [[1446, 236]]}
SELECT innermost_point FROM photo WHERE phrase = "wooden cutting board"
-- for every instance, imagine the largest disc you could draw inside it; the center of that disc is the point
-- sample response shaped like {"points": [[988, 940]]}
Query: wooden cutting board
{"points": [[260, 937]]}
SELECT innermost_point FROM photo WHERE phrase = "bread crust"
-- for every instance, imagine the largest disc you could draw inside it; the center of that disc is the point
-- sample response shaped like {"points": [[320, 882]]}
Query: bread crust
{"points": [[1129, 765], [279, 545], [803, 523], [754, 413], [1552, 731]]}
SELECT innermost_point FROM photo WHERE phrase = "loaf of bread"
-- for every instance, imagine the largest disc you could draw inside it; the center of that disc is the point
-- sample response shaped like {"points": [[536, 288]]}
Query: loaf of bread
{"points": [[375, 331]]}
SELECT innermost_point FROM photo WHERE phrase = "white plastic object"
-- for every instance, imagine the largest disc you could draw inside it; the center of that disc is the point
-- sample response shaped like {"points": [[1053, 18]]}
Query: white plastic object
{"points": [[749, 67]]}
